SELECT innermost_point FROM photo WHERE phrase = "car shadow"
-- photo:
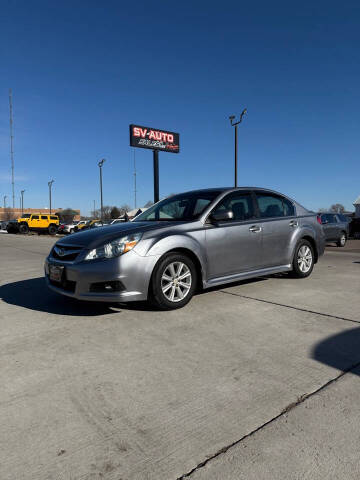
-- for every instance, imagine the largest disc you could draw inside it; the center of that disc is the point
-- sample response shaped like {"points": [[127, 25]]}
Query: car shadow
{"points": [[341, 351], [34, 295]]}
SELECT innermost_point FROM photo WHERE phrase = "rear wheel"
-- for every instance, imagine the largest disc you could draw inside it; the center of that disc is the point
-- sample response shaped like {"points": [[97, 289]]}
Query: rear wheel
{"points": [[173, 282], [52, 230], [24, 228], [303, 262], [342, 240]]}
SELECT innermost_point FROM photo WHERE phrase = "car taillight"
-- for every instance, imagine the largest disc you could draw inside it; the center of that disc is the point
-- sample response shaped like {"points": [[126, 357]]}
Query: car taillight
{"points": [[318, 218]]}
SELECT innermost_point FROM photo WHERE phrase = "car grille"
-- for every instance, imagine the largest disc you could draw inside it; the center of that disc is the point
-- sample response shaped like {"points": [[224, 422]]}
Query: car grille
{"points": [[66, 253]]}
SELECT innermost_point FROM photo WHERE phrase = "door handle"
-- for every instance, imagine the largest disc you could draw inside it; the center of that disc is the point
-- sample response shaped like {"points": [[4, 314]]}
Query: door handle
{"points": [[293, 223], [255, 229]]}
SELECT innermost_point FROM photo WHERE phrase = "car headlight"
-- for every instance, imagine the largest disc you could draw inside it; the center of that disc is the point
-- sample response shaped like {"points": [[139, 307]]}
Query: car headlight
{"points": [[115, 248]]}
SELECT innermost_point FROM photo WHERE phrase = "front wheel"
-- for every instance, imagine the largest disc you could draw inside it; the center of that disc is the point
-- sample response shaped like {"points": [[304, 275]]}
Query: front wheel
{"points": [[342, 240], [173, 282], [303, 262], [23, 228]]}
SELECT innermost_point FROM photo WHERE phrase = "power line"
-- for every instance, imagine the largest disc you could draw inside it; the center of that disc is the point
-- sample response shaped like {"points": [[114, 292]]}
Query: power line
{"points": [[12, 148]]}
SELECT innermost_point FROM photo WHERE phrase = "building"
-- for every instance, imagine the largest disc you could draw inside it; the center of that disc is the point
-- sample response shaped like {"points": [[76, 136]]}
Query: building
{"points": [[14, 213], [357, 207]]}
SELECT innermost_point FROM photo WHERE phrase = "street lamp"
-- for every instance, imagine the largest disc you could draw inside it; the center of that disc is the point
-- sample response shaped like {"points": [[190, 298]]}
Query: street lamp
{"points": [[50, 185], [101, 163], [235, 124], [22, 202], [5, 197]]}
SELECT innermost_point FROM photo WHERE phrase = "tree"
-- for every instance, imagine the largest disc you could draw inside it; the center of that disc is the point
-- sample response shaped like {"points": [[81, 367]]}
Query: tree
{"points": [[337, 208], [67, 215], [115, 212], [124, 209]]}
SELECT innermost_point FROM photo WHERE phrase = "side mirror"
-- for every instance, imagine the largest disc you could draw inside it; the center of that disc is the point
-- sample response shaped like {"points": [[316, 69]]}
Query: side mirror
{"points": [[222, 216]]}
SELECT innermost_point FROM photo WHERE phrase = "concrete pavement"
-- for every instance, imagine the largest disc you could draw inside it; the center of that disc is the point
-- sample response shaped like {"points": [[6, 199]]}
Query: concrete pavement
{"points": [[99, 391]]}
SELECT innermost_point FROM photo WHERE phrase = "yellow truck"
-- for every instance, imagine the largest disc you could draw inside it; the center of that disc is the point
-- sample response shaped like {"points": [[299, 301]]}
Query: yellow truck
{"points": [[38, 222]]}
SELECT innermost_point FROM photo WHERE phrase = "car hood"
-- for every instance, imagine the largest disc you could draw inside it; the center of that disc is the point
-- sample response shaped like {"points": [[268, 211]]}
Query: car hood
{"points": [[95, 237]]}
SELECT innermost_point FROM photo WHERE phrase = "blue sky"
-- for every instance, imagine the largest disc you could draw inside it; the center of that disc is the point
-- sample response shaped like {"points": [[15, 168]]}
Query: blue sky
{"points": [[81, 72]]}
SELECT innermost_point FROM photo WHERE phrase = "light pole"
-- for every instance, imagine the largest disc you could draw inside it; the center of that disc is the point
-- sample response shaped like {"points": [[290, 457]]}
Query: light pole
{"points": [[5, 197], [235, 124], [101, 163], [50, 185], [22, 202]]}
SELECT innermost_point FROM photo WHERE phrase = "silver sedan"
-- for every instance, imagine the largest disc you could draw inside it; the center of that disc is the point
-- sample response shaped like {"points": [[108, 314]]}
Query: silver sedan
{"points": [[187, 242]]}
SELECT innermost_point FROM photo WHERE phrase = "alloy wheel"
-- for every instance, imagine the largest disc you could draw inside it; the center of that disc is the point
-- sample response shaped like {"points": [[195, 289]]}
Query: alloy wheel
{"points": [[304, 258], [176, 281]]}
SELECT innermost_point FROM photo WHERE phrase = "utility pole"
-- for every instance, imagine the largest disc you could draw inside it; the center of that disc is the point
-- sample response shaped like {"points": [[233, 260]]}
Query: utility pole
{"points": [[50, 185], [5, 197], [101, 163], [235, 124], [22, 202], [12, 148], [134, 181], [94, 209]]}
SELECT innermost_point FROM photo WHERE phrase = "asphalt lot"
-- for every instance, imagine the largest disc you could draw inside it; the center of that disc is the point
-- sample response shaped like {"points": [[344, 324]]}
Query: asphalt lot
{"points": [[258, 380]]}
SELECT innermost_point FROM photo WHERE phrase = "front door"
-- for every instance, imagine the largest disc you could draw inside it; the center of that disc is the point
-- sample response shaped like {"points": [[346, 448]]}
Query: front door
{"points": [[233, 246]]}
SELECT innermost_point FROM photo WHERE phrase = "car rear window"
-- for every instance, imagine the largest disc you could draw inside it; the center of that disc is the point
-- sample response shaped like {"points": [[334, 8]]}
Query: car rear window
{"points": [[274, 206], [54, 218]]}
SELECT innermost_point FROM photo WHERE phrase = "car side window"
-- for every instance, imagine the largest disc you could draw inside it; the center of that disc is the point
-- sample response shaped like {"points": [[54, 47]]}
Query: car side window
{"points": [[240, 204], [274, 206], [35, 217], [43, 217]]}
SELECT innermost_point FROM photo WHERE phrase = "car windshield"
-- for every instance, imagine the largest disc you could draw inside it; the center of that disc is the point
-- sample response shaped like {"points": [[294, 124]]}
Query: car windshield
{"points": [[183, 207]]}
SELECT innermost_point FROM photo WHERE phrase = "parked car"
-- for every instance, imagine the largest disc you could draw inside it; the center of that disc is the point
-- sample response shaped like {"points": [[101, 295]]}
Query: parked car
{"points": [[198, 239], [336, 227], [85, 224], [118, 220], [38, 222], [71, 227]]}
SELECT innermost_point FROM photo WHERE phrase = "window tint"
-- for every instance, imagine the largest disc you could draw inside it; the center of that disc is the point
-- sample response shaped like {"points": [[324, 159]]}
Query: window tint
{"points": [[328, 218], [43, 217], [54, 218], [274, 206], [342, 218], [240, 204], [26, 215], [35, 217], [187, 206]]}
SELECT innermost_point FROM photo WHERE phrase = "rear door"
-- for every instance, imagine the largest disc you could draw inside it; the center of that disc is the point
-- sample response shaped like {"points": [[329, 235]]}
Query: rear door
{"points": [[278, 224], [44, 222], [234, 246]]}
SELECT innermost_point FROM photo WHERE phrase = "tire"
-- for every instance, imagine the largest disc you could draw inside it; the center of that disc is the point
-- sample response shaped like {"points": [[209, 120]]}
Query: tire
{"points": [[24, 228], [52, 229], [164, 282], [342, 240], [303, 262]]}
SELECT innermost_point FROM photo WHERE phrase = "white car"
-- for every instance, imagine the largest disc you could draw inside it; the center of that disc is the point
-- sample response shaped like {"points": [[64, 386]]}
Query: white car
{"points": [[70, 227]]}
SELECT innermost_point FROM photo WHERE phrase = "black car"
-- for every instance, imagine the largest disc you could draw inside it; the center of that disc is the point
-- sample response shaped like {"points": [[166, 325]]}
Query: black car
{"points": [[336, 227]]}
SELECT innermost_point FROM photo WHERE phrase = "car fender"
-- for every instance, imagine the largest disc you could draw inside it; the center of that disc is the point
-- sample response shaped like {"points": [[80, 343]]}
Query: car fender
{"points": [[159, 246], [304, 230]]}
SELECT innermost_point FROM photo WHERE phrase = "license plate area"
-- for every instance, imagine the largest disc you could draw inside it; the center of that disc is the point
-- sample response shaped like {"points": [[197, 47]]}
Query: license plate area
{"points": [[56, 273]]}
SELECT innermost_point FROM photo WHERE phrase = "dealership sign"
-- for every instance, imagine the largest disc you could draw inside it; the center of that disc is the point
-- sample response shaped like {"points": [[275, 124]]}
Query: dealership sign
{"points": [[146, 137]]}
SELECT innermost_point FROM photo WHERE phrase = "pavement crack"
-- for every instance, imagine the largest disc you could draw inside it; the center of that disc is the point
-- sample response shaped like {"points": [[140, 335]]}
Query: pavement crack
{"points": [[290, 306], [301, 399]]}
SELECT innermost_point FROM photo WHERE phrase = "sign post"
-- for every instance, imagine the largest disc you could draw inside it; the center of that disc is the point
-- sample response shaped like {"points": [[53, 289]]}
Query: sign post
{"points": [[155, 140]]}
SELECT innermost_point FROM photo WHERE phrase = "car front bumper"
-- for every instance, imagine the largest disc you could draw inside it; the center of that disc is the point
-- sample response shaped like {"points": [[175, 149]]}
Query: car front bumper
{"points": [[131, 271]]}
